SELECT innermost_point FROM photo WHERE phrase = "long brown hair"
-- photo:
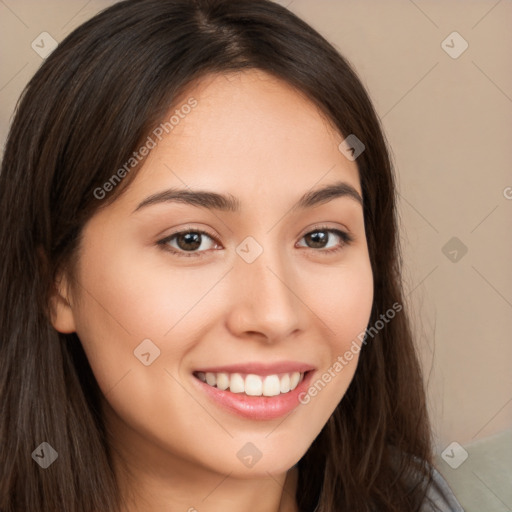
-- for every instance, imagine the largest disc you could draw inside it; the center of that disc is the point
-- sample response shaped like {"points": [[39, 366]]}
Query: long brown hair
{"points": [[83, 114]]}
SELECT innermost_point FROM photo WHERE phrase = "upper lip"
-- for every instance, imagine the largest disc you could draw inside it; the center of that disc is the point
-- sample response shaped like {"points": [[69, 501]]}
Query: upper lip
{"points": [[260, 368]]}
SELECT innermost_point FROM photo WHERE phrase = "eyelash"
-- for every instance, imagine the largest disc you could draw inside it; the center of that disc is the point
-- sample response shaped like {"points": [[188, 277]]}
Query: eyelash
{"points": [[346, 238]]}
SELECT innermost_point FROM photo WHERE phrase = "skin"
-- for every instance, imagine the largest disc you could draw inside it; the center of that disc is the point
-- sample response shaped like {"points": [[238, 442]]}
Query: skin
{"points": [[256, 138]]}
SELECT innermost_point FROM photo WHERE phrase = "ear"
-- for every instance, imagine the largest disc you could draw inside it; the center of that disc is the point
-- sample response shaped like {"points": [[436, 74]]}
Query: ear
{"points": [[62, 317]]}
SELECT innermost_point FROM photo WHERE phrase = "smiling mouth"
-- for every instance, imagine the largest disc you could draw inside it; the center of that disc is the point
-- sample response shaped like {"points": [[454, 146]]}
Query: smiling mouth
{"points": [[251, 384]]}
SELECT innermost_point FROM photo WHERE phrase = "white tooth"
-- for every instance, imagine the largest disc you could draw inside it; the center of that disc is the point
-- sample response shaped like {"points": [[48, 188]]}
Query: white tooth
{"points": [[211, 378], [285, 383], [222, 381], [253, 385], [294, 380], [201, 376], [271, 385], [236, 384]]}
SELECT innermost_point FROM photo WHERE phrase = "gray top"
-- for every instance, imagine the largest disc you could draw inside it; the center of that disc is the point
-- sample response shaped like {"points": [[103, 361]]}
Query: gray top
{"points": [[442, 497]]}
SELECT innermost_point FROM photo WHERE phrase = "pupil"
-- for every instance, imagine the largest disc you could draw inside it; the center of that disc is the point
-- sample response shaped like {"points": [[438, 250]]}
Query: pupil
{"points": [[190, 238], [319, 238]]}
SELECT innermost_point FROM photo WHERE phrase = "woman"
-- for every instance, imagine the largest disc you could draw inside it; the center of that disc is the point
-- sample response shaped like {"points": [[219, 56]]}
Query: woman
{"points": [[201, 303]]}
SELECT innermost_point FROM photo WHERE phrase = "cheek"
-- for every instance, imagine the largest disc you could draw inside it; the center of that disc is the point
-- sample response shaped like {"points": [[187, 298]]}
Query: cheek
{"points": [[345, 305], [122, 324], [343, 300], [140, 296], [138, 310]]}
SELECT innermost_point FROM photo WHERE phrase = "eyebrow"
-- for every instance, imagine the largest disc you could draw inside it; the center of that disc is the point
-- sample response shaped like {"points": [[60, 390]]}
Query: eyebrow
{"points": [[229, 203]]}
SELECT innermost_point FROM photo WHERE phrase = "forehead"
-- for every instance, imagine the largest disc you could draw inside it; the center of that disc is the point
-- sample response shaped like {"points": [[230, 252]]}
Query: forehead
{"points": [[249, 134]]}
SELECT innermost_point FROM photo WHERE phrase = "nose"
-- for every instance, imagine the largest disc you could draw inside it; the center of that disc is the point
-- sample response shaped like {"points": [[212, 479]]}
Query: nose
{"points": [[265, 299]]}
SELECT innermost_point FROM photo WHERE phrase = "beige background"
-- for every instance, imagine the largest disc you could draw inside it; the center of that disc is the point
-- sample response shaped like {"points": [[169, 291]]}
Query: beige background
{"points": [[448, 122]]}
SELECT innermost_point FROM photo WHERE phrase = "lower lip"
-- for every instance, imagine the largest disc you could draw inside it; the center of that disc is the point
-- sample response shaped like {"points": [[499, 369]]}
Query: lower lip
{"points": [[257, 407]]}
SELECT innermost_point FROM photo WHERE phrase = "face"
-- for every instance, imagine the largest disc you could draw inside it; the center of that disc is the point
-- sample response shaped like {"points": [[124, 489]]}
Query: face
{"points": [[261, 298]]}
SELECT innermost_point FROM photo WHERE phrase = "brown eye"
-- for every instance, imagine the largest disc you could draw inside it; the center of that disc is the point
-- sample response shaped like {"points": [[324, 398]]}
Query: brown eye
{"points": [[321, 237], [317, 239], [187, 243]]}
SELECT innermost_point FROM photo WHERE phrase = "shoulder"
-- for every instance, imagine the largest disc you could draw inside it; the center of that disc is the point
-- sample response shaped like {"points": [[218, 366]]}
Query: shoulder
{"points": [[440, 497]]}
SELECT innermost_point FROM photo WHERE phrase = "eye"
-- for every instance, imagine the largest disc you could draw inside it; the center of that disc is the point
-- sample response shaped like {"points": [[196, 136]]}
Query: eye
{"points": [[187, 241], [321, 236]]}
